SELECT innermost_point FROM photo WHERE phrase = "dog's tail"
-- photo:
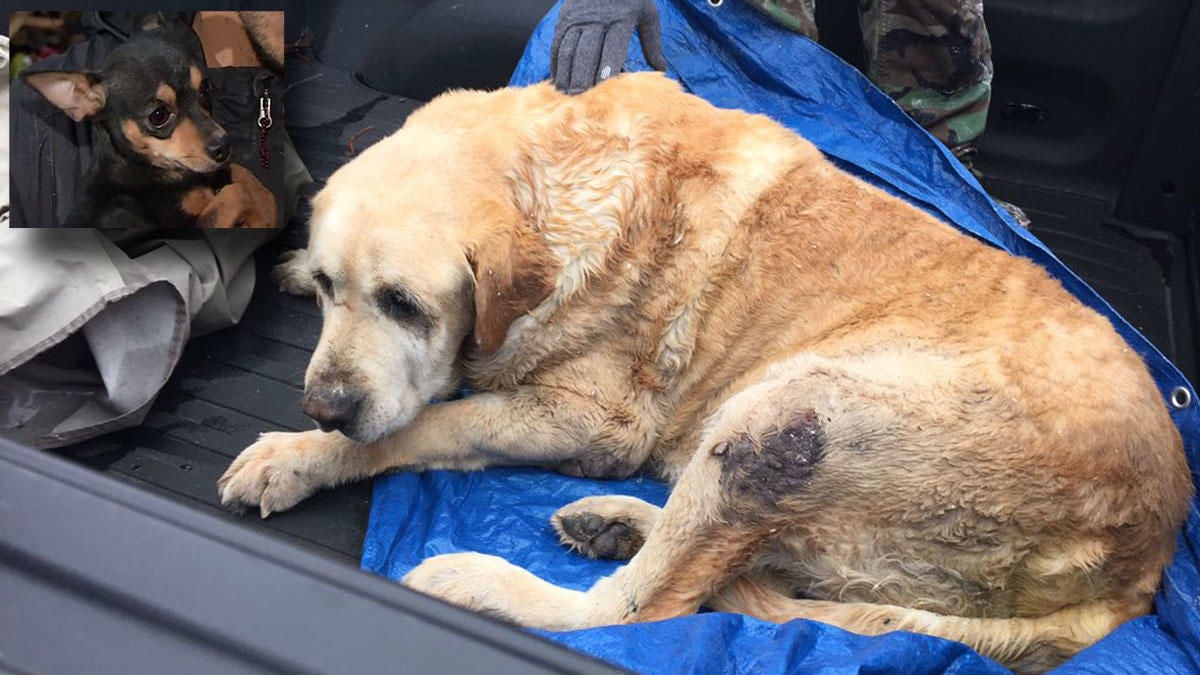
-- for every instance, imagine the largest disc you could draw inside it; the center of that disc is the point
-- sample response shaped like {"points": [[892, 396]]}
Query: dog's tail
{"points": [[1026, 644]]}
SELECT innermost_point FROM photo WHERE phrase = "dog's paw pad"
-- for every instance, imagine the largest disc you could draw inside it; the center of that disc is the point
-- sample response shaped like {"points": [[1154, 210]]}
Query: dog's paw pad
{"points": [[596, 537]]}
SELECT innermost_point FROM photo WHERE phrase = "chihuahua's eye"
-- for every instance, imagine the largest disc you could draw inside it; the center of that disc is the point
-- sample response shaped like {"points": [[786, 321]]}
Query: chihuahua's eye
{"points": [[159, 117], [324, 282]]}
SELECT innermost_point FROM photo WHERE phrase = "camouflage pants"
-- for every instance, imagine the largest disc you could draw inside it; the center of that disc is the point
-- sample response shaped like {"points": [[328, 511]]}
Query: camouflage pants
{"points": [[932, 56]]}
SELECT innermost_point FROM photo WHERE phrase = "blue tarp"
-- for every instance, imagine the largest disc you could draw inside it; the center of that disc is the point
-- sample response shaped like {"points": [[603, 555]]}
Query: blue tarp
{"points": [[735, 58]]}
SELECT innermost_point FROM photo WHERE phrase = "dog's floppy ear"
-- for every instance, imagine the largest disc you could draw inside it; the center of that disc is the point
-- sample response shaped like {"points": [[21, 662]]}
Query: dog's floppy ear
{"points": [[80, 94], [573, 185], [514, 273]]}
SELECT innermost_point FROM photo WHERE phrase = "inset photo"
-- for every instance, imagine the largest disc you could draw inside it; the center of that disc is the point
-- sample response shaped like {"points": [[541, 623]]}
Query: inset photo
{"points": [[161, 120]]}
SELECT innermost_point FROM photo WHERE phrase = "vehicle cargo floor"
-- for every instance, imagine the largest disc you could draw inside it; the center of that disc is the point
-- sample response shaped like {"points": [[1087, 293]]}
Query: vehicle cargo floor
{"points": [[235, 384]]}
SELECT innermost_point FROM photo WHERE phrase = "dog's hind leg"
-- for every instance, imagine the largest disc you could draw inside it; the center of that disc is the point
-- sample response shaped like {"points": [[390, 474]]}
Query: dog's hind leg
{"points": [[789, 452], [1024, 644], [690, 551], [720, 513], [612, 527], [869, 476]]}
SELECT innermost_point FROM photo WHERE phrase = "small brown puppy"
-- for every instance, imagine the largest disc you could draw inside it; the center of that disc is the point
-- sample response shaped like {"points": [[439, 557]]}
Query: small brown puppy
{"points": [[869, 418]]}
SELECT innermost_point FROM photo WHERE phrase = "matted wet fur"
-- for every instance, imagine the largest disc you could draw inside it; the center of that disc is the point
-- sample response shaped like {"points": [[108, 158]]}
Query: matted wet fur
{"points": [[868, 417]]}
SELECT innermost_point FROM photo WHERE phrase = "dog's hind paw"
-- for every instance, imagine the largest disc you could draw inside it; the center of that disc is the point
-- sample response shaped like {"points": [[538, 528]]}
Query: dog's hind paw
{"points": [[607, 527], [293, 275], [497, 588], [469, 580]]}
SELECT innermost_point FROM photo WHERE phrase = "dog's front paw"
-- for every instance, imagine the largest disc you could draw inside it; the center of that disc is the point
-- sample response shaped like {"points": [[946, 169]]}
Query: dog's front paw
{"points": [[275, 473], [293, 275]]}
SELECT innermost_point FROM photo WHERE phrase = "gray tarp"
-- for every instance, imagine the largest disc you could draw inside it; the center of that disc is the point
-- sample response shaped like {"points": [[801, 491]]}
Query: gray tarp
{"points": [[89, 332]]}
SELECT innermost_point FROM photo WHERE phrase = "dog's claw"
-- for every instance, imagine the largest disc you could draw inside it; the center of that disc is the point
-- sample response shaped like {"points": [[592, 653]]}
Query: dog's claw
{"points": [[273, 474]]}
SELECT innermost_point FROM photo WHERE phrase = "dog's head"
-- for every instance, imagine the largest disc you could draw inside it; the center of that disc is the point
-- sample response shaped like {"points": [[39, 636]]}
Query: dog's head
{"points": [[152, 97], [395, 292], [392, 255], [432, 243], [463, 233]]}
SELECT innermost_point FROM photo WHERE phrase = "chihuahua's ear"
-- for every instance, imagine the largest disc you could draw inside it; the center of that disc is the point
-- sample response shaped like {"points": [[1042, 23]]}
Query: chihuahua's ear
{"points": [[80, 94], [163, 20], [151, 21], [179, 24]]}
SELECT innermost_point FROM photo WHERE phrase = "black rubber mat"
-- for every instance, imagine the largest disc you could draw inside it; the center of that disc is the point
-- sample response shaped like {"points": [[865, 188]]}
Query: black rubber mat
{"points": [[235, 384]]}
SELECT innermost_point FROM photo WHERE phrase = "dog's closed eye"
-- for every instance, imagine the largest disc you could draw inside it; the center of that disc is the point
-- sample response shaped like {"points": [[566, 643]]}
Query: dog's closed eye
{"points": [[399, 305]]}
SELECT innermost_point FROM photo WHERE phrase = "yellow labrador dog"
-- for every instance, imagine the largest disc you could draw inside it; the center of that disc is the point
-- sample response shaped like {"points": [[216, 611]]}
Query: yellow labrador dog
{"points": [[869, 418]]}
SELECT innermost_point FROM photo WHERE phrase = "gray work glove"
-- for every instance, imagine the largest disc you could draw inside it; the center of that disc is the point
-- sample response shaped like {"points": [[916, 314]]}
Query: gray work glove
{"points": [[592, 38]]}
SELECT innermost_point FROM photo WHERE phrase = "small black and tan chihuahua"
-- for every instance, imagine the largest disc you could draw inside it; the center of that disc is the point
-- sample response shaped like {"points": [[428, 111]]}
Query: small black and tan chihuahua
{"points": [[158, 157]]}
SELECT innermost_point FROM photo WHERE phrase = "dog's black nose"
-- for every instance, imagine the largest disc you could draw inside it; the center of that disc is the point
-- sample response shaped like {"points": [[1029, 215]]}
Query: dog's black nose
{"points": [[333, 410], [218, 149]]}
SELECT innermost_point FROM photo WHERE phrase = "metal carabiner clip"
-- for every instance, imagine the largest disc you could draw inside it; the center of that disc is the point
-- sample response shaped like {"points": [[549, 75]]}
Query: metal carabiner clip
{"points": [[264, 112]]}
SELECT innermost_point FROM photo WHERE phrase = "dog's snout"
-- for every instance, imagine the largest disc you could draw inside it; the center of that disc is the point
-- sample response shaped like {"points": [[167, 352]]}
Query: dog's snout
{"points": [[218, 148], [333, 410]]}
